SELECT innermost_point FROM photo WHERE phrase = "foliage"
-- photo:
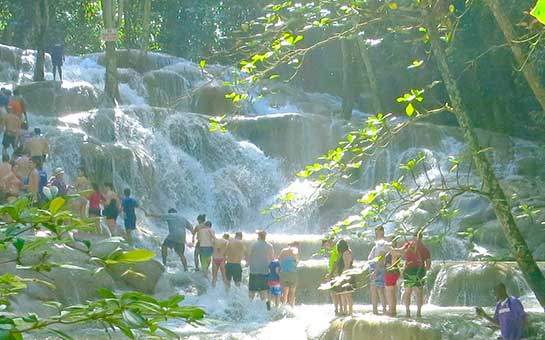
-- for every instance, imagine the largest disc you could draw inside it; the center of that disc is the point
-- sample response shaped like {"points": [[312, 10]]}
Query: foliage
{"points": [[539, 11], [28, 237]]}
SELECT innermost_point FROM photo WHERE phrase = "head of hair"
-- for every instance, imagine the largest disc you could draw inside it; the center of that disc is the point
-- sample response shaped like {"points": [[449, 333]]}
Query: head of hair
{"points": [[37, 131], [226, 236], [261, 235], [238, 235], [94, 186], [172, 211], [294, 244], [208, 224], [126, 192], [113, 202], [201, 218], [342, 246]]}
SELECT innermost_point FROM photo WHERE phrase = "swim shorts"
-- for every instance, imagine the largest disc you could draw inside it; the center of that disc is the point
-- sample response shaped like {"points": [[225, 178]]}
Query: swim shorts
{"points": [[233, 271], [258, 283], [288, 279], [414, 277], [177, 246]]}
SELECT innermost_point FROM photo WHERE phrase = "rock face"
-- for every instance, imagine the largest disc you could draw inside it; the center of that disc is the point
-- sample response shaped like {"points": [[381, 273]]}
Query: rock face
{"points": [[50, 99], [210, 99]]}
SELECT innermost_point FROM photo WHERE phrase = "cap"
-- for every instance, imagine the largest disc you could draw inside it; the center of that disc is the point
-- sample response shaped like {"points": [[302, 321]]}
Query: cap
{"points": [[58, 171], [261, 232]]}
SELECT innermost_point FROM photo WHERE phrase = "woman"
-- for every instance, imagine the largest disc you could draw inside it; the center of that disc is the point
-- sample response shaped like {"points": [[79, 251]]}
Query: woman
{"points": [[288, 272], [111, 212], [391, 262], [346, 290], [95, 199]]}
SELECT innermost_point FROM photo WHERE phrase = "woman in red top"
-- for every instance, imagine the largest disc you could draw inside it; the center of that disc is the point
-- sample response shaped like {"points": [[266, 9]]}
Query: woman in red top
{"points": [[95, 199]]}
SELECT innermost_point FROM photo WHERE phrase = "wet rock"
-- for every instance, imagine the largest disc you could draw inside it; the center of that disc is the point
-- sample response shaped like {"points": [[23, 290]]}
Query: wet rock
{"points": [[380, 328], [210, 100], [11, 55], [51, 99], [165, 88], [472, 284], [490, 234], [97, 162], [150, 273]]}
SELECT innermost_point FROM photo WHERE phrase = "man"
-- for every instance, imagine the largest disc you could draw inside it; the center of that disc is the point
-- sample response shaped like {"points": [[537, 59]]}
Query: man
{"points": [[376, 258], [33, 186], [4, 100], [206, 238], [12, 133], [328, 245], [200, 224], [18, 107], [58, 181], [233, 256], [37, 146], [176, 238], [57, 58], [218, 259], [261, 255], [417, 262], [128, 206], [509, 315]]}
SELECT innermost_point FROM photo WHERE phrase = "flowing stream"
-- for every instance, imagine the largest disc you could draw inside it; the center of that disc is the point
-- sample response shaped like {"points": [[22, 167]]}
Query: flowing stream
{"points": [[155, 144]]}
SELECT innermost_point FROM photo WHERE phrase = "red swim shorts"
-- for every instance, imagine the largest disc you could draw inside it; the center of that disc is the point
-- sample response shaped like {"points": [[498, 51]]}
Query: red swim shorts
{"points": [[390, 279]]}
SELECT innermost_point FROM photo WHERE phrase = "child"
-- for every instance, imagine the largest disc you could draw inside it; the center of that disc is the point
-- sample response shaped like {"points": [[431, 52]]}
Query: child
{"points": [[273, 281]]}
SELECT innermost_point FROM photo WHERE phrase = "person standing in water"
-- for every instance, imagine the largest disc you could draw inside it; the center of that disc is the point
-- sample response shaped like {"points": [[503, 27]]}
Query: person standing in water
{"points": [[200, 224], [392, 274], [376, 260], [509, 315], [129, 205], [12, 131], [344, 292], [82, 186], [111, 212], [206, 238], [289, 257], [331, 250], [233, 256], [417, 263], [260, 257], [176, 238], [273, 281], [218, 259]]}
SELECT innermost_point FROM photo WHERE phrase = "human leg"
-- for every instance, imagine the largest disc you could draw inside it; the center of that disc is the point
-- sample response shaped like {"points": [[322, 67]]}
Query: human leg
{"points": [[292, 296], [285, 292], [215, 268], [196, 256], [164, 254], [419, 301], [374, 298], [181, 255], [407, 300], [382, 297]]}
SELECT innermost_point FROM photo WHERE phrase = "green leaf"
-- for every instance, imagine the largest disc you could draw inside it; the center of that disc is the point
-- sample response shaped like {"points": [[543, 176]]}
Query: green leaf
{"points": [[451, 8], [106, 293], [539, 11], [60, 334], [409, 109], [132, 256], [415, 64], [56, 205], [133, 319], [392, 5], [202, 64]]}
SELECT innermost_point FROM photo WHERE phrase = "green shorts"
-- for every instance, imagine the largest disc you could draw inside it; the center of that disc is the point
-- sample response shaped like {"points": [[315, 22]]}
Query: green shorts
{"points": [[288, 279], [414, 277]]}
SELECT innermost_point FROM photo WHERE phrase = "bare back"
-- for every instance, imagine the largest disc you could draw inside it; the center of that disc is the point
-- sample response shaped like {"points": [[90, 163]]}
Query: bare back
{"points": [[37, 146], [206, 237], [235, 251], [220, 246], [13, 123]]}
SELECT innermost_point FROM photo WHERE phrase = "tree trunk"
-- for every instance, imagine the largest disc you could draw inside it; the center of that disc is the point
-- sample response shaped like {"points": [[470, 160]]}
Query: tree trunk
{"points": [[528, 70], [40, 24], [111, 87], [517, 244], [347, 89], [371, 77], [146, 27]]}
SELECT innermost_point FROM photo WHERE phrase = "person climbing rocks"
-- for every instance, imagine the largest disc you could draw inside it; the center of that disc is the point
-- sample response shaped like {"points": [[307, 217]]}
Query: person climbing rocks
{"points": [[233, 256], [509, 315], [12, 132], [128, 207], [417, 263], [376, 261], [261, 255], [200, 224], [17, 105], [111, 212], [391, 276], [289, 258], [218, 259], [206, 238], [176, 238], [37, 146], [328, 245], [57, 59]]}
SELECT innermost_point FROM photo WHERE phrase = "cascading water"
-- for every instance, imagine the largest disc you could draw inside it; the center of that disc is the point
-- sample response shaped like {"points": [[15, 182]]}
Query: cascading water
{"points": [[155, 145]]}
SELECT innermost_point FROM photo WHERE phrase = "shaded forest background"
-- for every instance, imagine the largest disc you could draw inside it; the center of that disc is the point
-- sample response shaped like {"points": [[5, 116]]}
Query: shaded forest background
{"points": [[493, 88]]}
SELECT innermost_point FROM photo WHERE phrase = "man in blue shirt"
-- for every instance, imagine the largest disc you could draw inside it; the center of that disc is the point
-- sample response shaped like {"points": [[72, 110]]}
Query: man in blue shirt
{"points": [[509, 315], [128, 206], [176, 238]]}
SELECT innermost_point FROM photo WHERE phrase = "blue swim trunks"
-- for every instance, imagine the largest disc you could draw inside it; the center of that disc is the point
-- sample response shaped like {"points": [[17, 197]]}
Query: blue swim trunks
{"points": [[274, 288], [206, 251], [379, 280]]}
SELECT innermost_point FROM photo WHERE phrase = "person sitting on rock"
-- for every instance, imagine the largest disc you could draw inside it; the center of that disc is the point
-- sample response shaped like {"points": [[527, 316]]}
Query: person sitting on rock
{"points": [[509, 315]]}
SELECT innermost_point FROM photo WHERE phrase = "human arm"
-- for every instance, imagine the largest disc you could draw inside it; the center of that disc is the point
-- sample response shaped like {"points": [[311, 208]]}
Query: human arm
{"points": [[481, 313]]}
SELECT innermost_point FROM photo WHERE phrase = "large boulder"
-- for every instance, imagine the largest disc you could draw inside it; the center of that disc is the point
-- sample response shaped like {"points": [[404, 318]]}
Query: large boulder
{"points": [[143, 276], [210, 99], [51, 99]]}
